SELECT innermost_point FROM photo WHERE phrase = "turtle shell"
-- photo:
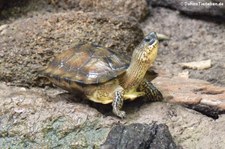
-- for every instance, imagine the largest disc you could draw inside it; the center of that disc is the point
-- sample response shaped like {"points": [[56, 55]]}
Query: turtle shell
{"points": [[86, 63]]}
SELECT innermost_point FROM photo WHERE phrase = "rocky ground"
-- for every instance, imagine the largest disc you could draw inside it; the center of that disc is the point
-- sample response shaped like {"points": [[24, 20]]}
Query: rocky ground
{"points": [[36, 115]]}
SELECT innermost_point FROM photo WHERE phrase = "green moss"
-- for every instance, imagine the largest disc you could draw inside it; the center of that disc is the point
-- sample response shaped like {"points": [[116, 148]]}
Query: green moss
{"points": [[86, 135]]}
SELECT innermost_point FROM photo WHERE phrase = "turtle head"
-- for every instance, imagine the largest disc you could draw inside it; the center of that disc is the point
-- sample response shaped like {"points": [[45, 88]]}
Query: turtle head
{"points": [[146, 52], [142, 58]]}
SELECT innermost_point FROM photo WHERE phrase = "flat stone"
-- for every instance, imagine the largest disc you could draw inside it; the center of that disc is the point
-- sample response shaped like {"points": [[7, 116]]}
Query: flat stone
{"points": [[191, 92], [48, 117], [36, 118]]}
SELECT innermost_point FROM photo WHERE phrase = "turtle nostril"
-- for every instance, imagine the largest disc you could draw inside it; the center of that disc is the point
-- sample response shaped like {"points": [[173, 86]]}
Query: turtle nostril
{"points": [[152, 35]]}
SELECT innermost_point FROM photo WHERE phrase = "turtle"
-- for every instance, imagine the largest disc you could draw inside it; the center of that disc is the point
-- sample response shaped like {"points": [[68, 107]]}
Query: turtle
{"points": [[103, 75]]}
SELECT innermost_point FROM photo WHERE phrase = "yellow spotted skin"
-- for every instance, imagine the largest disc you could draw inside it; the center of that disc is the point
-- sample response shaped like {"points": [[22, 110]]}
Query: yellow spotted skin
{"points": [[103, 76]]}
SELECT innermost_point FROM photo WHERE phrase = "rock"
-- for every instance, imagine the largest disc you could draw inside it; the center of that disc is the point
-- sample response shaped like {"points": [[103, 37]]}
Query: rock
{"points": [[191, 92], [46, 118], [1, 3], [139, 136], [28, 44], [207, 110], [199, 65], [138, 9], [184, 74], [3, 27], [38, 117], [189, 129], [7, 4], [211, 8]]}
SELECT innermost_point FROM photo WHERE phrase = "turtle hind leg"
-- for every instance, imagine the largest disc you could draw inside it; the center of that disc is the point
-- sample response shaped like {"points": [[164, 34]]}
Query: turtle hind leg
{"points": [[151, 92], [118, 103]]}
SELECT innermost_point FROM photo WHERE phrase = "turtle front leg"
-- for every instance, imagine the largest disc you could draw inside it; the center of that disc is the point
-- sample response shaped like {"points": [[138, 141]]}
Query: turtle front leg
{"points": [[151, 92], [118, 103]]}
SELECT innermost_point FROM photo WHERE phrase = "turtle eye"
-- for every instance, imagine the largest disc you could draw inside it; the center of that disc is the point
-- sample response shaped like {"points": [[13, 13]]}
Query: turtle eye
{"points": [[151, 38], [147, 39]]}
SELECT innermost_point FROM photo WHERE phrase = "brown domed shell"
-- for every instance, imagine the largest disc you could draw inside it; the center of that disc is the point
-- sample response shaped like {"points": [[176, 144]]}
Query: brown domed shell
{"points": [[86, 63]]}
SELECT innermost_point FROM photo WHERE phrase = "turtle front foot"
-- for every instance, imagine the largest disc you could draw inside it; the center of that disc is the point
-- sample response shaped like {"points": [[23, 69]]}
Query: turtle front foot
{"points": [[121, 114], [118, 103]]}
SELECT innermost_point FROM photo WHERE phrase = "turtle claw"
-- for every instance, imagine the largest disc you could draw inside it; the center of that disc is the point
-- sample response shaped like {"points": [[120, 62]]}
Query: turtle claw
{"points": [[159, 96], [118, 103], [120, 114]]}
